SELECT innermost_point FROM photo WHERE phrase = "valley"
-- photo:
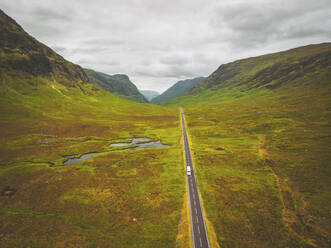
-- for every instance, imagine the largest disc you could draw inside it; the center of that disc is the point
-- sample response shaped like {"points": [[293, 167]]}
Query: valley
{"points": [[49, 113], [119, 197], [87, 161]]}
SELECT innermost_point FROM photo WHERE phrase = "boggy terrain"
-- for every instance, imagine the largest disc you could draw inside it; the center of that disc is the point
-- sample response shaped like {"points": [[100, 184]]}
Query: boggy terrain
{"points": [[119, 197]]}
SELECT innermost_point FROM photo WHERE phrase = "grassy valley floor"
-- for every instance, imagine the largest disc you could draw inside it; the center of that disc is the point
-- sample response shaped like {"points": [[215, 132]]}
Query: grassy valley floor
{"points": [[262, 163], [117, 199]]}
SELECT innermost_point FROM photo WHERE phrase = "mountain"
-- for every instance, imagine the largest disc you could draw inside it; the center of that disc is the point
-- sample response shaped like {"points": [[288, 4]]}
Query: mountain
{"points": [[23, 54], [119, 84], [49, 113], [260, 132], [149, 94], [270, 71], [178, 89]]}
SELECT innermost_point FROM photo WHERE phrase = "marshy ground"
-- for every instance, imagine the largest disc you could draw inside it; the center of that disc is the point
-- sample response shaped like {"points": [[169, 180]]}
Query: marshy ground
{"points": [[126, 198]]}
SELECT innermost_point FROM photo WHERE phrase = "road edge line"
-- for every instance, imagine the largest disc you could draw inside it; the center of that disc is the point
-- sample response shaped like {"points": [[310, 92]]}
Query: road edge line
{"points": [[193, 164], [192, 243]]}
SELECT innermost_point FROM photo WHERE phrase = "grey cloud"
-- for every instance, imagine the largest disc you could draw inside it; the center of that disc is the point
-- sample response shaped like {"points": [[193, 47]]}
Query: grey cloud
{"points": [[146, 73], [145, 62], [102, 62], [247, 24], [176, 71], [104, 42], [174, 60], [158, 43], [50, 14], [169, 71], [88, 50]]}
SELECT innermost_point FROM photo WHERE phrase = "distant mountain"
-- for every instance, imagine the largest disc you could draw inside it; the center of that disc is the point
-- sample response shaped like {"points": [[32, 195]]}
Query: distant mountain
{"points": [[119, 84], [149, 94], [178, 89]]}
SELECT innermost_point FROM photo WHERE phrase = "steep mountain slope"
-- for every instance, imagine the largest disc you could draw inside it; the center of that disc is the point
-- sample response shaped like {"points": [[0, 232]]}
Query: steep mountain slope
{"points": [[119, 84], [260, 130], [178, 89], [149, 94], [49, 113], [23, 54]]}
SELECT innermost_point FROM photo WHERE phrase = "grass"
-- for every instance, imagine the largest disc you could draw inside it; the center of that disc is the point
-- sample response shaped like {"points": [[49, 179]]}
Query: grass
{"points": [[262, 170], [261, 150], [260, 142], [118, 198]]}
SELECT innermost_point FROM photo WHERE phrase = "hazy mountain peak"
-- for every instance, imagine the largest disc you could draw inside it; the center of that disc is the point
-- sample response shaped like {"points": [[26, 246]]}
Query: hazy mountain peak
{"points": [[149, 94], [178, 89]]}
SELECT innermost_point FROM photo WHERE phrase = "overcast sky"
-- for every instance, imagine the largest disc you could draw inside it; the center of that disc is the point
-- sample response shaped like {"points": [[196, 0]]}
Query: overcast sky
{"points": [[158, 42]]}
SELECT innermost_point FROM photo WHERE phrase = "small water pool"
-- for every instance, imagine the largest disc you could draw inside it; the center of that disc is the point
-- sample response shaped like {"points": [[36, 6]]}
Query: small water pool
{"points": [[133, 141], [76, 160], [151, 144], [139, 143], [134, 144]]}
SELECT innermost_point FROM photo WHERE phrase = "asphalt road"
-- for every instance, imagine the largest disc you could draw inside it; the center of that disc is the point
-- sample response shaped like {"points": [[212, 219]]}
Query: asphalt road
{"points": [[199, 231]]}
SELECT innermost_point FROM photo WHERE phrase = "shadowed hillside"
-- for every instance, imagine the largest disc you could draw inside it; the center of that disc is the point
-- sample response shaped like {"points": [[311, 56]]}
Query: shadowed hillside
{"points": [[118, 84], [23, 54]]}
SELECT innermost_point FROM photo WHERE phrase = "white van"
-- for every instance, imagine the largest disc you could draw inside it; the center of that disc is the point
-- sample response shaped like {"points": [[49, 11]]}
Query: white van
{"points": [[188, 170]]}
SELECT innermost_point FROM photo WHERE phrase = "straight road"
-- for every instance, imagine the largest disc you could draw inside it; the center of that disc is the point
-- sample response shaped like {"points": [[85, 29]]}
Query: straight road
{"points": [[199, 231]]}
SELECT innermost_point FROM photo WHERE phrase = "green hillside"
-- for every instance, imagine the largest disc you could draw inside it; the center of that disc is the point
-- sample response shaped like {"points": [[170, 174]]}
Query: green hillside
{"points": [[260, 131], [178, 89], [50, 112], [118, 84]]}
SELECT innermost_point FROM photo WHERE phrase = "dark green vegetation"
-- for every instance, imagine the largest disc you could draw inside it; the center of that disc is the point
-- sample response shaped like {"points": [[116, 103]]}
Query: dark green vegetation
{"points": [[49, 111], [118, 84], [178, 89], [261, 136], [149, 94]]}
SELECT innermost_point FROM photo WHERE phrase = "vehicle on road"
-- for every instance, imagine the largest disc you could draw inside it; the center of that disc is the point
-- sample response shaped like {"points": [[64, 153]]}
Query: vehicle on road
{"points": [[188, 170]]}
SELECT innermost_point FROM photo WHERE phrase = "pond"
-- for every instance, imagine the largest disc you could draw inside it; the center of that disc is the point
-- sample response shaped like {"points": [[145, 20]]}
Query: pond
{"points": [[76, 160], [139, 143], [130, 142], [134, 144], [151, 144]]}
